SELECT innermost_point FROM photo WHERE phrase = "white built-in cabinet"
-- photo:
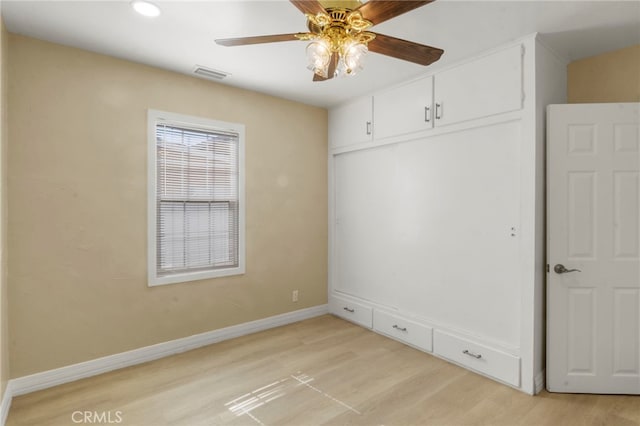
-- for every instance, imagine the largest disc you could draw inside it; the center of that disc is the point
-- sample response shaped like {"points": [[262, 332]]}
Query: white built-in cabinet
{"points": [[351, 123], [433, 101], [404, 109], [436, 214], [493, 92]]}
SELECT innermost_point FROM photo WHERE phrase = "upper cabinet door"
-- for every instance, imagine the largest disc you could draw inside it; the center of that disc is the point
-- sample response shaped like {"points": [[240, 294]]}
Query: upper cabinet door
{"points": [[404, 109], [486, 86], [351, 123]]}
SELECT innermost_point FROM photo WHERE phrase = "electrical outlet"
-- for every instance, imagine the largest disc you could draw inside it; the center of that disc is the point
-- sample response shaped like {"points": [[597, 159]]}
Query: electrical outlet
{"points": [[294, 296]]}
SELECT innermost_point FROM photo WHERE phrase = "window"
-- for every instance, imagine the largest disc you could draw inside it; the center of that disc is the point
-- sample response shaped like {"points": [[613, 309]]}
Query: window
{"points": [[196, 198]]}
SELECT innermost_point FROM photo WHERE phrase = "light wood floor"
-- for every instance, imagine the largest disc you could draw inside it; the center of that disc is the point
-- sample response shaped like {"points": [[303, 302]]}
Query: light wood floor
{"points": [[319, 371]]}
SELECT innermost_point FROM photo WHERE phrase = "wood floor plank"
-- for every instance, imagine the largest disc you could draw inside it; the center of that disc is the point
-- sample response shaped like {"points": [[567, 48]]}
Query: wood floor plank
{"points": [[323, 371]]}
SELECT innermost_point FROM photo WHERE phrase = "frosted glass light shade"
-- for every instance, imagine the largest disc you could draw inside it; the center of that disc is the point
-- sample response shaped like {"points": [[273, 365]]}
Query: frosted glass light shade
{"points": [[318, 56], [353, 57]]}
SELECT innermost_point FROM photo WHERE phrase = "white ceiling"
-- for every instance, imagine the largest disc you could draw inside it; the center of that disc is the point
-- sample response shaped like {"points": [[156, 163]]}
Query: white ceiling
{"points": [[183, 36]]}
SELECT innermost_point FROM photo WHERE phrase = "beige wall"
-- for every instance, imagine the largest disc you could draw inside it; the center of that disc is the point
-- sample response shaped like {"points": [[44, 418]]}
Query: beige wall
{"points": [[610, 77], [4, 311], [77, 207]]}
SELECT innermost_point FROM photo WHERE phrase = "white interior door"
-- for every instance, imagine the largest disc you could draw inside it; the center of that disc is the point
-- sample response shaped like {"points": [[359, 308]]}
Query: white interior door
{"points": [[593, 313]]}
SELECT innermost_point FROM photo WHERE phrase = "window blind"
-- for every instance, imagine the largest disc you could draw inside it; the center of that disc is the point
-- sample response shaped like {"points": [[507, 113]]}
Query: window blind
{"points": [[197, 207]]}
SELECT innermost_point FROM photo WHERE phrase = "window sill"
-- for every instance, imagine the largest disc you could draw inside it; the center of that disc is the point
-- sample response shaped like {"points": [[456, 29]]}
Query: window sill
{"points": [[194, 276]]}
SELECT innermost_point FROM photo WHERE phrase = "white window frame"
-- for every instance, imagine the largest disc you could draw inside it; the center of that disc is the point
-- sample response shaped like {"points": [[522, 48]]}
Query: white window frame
{"points": [[153, 118]]}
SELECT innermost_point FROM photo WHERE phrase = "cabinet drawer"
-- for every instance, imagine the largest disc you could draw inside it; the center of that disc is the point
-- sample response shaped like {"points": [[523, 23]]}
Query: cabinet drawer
{"points": [[352, 311], [498, 364], [399, 328]]}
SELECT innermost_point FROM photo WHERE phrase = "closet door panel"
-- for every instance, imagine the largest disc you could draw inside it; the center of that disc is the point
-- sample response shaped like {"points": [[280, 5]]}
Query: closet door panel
{"points": [[457, 229], [365, 224]]}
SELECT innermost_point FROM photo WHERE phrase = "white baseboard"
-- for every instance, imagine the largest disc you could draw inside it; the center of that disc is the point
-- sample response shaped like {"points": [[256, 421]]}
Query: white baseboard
{"points": [[538, 381], [6, 402], [58, 376]]}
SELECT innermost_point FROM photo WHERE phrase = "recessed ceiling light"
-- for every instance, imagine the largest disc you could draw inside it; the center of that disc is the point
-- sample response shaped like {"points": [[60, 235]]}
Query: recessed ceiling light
{"points": [[145, 8]]}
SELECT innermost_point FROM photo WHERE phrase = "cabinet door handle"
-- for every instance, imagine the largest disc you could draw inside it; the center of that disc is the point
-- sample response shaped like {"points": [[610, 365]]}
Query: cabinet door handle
{"points": [[349, 309], [438, 111], [427, 114], [368, 127], [476, 356], [397, 327]]}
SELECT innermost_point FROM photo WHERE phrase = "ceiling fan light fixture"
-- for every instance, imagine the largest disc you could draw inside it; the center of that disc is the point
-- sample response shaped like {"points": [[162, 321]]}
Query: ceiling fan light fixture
{"points": [[145, 8], [339, 37], [319, 56], [352, 57]]}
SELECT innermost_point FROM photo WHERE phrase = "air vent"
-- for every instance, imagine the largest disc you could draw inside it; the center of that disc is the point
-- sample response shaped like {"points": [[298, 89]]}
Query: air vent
{"points": [[209, 73]]}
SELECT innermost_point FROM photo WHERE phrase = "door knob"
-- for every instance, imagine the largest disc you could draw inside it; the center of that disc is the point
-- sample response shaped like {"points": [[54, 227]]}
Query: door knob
{"points": [[560, 269]]}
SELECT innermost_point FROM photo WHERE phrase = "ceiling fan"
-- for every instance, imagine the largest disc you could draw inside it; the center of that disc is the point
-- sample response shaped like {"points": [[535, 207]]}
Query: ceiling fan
{"points": [[339, 36]]}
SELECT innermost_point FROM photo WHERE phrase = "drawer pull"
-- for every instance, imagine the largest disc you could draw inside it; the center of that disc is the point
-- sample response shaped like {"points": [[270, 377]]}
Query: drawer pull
{"points": [[397, 327], [349, 309], [476, 356]]}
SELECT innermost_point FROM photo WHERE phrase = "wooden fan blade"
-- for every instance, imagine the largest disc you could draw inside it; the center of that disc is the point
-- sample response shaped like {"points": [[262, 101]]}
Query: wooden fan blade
{"points": [[403, 49], [378, 11], [331, 70], [333, 64], [308, 6], [242, 41]]}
